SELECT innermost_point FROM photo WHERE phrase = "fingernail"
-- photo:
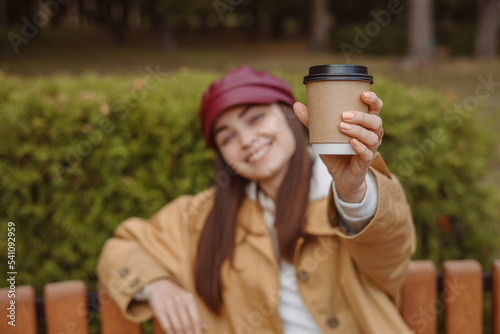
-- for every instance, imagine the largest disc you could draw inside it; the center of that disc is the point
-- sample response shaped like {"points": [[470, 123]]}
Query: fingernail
{"points": [[347, 115], [345, 126], [356, 143], [366, 95]]}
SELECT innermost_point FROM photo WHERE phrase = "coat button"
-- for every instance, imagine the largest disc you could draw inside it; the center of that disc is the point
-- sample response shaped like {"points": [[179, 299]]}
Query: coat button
{"points": [[123, 272], [302, 276], [134, 282], [333, 322]]}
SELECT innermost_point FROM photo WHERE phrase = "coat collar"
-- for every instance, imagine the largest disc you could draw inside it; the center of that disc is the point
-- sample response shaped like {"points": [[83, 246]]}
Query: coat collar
{"points": [[321, 182], [317, 222], [320, 215]]}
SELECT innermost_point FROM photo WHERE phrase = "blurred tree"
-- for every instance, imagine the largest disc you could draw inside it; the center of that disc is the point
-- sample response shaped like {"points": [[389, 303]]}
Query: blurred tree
{"points": [[421, 31], [3, 12], [57, 18], [487, 31], [81, 10], [120, 10], [102, 13], [348, 12], [429, 23], [252, 23], [167, 18], [319, 34], [274, 15], [17, 9], [455, 24]]}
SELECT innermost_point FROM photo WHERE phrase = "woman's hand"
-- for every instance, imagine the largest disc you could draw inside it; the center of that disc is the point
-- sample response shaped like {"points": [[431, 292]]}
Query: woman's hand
{"points": [[174, 308], [366, 130]]}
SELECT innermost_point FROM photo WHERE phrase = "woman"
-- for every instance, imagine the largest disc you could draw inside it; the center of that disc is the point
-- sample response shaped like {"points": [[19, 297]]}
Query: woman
{"points": [[283, 242]]}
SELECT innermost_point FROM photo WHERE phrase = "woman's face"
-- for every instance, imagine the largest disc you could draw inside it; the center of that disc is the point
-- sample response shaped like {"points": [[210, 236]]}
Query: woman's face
{"points": [[256, 141]]}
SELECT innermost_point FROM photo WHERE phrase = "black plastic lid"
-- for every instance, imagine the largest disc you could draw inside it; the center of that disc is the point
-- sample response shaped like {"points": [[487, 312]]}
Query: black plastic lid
{"points": [[338, 72]]}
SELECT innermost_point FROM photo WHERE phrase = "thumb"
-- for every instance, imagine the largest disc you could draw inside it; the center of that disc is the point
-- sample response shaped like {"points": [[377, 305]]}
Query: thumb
{"points": [[302, 113]]}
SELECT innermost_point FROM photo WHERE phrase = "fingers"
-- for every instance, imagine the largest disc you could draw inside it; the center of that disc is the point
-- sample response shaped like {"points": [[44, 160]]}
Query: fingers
{"points": [[195, 317], [374, 103], [364, 153], [365, 127], [177, 322], [175, 308], [176, 317], [366, 131], [302, 113]]}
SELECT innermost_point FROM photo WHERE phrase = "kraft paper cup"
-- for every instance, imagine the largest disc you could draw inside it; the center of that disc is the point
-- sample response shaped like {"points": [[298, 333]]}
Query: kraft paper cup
{"points": [[331, 90]]}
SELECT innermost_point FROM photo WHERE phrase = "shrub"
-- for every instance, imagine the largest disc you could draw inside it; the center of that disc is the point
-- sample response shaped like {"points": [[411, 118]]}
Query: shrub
{"points": [[83, 154], [442, 153], [79, 155]]}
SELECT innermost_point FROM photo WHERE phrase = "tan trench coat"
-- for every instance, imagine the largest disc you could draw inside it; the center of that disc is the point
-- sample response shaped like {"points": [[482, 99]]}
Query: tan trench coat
{"points": [[350, 284]]}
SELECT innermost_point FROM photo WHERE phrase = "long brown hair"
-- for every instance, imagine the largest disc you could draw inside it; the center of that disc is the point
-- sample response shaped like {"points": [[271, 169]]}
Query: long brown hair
{"points": [[217, 239]]}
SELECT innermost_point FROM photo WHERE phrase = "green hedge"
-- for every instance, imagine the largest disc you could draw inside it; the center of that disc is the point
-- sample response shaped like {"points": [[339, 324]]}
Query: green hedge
{"points": [[79, 155]]}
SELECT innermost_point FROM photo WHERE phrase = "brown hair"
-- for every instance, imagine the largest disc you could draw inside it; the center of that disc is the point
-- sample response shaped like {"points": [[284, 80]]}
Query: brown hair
{"points": [[217, 240]]}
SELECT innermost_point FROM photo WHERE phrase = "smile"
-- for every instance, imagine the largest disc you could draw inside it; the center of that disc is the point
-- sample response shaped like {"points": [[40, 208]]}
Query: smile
{"points": [[259, 154]]}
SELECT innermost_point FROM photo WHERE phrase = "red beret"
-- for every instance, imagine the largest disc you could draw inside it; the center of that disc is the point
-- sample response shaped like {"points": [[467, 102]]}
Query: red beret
{"points": [[241, 86]]}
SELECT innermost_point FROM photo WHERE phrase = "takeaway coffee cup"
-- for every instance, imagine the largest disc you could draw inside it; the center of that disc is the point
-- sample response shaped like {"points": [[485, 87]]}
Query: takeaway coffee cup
{"points": [[330, 90]]}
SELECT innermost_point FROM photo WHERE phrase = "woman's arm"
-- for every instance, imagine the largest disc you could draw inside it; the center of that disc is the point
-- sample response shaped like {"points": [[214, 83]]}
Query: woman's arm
{"points": [[157, 252], [383, 249]]}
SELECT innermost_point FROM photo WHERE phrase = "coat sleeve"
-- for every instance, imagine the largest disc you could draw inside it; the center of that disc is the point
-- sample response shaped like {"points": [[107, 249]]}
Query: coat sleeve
{"points": [[383, 249], [142, 251]]}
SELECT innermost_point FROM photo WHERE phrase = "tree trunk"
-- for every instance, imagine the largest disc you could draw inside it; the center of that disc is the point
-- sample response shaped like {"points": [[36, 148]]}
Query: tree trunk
{"points": [[277, 28], [319, 25], [15, 10], [119, 19], [103, 13], [487, 32], [3, 13], [81, 12], [253, 27], [421, 31], [56, 20]]}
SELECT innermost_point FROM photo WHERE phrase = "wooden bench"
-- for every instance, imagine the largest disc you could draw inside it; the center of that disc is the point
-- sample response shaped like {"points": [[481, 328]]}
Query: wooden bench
{"points": [[456, 294]]}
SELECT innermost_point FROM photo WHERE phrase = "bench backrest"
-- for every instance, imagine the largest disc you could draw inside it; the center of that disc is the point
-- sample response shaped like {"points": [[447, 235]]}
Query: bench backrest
{"points": [[460, 301]]}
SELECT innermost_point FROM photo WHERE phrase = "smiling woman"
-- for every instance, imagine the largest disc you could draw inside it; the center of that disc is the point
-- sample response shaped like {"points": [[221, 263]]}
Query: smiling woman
{"points": [[291, 243]]}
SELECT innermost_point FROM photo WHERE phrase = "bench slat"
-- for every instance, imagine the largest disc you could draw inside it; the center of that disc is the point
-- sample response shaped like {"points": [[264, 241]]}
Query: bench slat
{"points": [[418, 304], [112, 320], [66, 307], [25, 311], [495, 294], [463, 297]]}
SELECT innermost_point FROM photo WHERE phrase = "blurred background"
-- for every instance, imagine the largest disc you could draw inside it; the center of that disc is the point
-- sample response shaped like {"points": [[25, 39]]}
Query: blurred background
{"points": [[120, 36], [99, 101]]}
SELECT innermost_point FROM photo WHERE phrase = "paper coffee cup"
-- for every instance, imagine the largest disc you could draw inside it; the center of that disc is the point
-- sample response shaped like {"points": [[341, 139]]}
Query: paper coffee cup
{"points": [[331, 90]]}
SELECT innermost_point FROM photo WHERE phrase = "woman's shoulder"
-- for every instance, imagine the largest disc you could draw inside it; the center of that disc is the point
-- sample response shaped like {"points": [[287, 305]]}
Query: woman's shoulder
{"points": [[202, 201], [192, 209]]}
